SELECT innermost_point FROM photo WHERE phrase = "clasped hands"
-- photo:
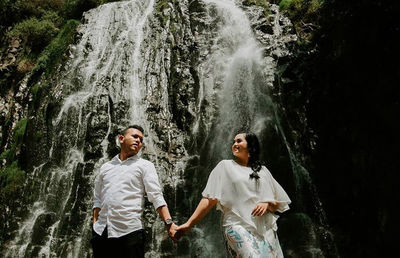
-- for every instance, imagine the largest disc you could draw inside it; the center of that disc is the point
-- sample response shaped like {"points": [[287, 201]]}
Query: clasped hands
{"points": [[176, 232]]}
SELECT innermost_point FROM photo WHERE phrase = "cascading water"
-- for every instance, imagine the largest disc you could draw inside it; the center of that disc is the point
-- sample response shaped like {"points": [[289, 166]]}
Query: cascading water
{"points": [[192, 78]]}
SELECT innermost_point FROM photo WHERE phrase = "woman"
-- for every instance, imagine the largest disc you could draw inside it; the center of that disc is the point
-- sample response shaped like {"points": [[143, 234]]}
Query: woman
{"points": [[248, 196]]}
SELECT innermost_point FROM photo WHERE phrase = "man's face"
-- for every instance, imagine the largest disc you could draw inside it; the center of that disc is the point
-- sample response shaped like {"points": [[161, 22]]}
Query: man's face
{"points": [[131, 141]]}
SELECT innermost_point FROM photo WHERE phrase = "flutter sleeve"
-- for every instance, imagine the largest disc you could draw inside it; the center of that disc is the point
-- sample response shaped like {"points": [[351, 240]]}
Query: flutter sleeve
{"points": [[213, 189], [279, 194]]}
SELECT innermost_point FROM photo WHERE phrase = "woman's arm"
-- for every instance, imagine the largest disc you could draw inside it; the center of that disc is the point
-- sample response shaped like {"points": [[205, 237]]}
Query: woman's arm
{"points": [[205, 205]]}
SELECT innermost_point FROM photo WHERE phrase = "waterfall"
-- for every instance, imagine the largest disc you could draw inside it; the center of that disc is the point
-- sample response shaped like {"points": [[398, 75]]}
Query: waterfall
{"points": [[192, 77], [104, 72]]}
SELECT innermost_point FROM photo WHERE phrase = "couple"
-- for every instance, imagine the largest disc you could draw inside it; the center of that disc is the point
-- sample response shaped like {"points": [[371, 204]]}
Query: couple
{"points": [[242, 189]]}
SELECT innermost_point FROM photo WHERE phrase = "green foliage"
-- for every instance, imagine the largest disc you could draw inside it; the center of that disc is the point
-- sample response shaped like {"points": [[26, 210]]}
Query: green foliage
{"points": [[35, 33], [73, 9], [29, 8], [54, 51], [8, 10], [12, 180], [161, 5], [263, 3], [52, 16], [304, 15], [19, 131], [286, 4], [10, 154], [7, 155], [300, 8], [35, 89]]}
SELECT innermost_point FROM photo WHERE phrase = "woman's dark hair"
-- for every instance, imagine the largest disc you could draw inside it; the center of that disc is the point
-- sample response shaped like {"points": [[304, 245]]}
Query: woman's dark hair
{"points": [[253, 145]]}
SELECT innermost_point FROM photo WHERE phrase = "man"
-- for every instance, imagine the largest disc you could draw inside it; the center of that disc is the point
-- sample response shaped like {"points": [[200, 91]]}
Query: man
{"points": [[119, 200]]}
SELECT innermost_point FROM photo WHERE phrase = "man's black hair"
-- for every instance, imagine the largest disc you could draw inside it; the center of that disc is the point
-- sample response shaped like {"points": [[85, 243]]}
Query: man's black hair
{"points": [[138, 127]]}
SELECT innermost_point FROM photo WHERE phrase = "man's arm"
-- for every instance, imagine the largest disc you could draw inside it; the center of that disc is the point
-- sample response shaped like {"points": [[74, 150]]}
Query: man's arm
{"points": [[95, 214], [155, 196], [97, 196], [164, 214]]}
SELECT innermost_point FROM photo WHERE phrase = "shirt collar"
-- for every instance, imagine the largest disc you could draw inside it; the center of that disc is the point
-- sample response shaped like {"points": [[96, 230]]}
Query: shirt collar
{"points": [[134, 157]]}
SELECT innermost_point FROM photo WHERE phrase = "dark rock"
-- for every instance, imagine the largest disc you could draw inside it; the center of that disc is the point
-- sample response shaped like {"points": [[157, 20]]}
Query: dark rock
{"points": [[41, 229]]}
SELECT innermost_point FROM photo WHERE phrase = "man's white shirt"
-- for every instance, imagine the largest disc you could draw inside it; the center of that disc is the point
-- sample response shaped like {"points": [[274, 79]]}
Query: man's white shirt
{"points": [[119, 192]]}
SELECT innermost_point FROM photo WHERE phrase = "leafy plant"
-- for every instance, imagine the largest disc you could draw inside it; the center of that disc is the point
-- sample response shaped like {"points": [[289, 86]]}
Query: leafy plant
{"points": [[12, 179], [35, 33], [263, 3], [54, 51], [304, 15]]}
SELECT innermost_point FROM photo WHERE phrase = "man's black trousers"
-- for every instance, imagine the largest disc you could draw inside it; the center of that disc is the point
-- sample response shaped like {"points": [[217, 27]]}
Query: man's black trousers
{"points": [[128, 246]]}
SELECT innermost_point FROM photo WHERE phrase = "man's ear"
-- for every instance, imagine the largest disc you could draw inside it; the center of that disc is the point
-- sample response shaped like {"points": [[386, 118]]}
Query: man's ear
{"points": [[120, 138]]}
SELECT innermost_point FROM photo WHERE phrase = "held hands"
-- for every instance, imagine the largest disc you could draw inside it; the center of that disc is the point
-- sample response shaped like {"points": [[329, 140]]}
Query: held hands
{"points": [[172, 232], [183, 229], [263, 207], [176, 232]]}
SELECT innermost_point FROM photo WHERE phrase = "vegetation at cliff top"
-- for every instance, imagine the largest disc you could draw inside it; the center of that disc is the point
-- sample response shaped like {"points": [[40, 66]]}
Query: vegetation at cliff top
{"points": [[263, 3], [37, 22], [304, 14]]}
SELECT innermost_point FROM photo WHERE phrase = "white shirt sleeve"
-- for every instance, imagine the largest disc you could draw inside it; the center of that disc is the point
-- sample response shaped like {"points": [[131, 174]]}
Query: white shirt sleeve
{"points": [[97, 190], [152, 186]]}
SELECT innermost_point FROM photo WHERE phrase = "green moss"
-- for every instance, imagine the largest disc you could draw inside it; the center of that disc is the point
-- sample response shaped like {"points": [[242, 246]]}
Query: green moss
{"points": [[54, 51], [286, 4], [73, 9], [35, 33], [7, 155], [10, 154], [35, 89], [38, 135], [52, 16], [160, 6], [8, 10], [19, 130], [12, 179], [314, 6], [304, 14], [301, 9], [263, 3]]}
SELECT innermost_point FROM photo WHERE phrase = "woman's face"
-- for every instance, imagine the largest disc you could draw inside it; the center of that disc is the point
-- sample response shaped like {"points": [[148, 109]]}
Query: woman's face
{"points": [[239, 147]]}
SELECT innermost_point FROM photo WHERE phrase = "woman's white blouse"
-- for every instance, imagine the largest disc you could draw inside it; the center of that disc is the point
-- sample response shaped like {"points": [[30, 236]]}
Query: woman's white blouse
{"points": [[238, 194]]}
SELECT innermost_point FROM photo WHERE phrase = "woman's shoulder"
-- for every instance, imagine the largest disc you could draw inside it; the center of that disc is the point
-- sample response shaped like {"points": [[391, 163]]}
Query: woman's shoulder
{"points": [[222, 165], [226, 161], [265, 169]]}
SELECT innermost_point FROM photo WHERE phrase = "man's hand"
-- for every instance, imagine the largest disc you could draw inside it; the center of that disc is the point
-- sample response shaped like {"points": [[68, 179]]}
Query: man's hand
{"points": [[95, 214], [182, 229], [172, 232]]}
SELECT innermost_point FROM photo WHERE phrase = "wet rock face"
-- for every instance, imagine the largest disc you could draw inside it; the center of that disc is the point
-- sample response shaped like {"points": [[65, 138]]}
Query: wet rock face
{"points": [[192, 73]]}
